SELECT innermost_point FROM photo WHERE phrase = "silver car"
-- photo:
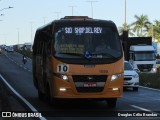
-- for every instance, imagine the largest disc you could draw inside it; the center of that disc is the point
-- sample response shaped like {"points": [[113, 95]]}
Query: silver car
{"points": [[131, 77]]}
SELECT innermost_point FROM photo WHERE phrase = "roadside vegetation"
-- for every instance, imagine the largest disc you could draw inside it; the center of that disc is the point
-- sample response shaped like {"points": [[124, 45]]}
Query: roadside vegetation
{"points": [[151, 80]]}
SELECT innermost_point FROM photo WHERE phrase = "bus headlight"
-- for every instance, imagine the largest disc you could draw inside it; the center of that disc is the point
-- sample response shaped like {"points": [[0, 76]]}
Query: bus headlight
{"points": [[64, 77], [116, 76]]}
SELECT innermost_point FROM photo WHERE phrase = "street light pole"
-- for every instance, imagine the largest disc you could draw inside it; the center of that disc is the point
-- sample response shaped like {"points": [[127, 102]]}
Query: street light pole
{"points": [[18, 35], [44, 19], [72, 9], [31, 23], [125, 23], [152, 32], [57, 14], [92, 7], [6, 8]]}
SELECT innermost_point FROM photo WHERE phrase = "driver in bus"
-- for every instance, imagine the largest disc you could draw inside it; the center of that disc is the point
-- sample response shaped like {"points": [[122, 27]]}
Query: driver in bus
{"points": [[102, 46]]}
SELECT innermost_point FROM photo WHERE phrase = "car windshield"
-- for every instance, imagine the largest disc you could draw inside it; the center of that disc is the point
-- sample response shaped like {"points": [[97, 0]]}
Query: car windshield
{"points": [[87, 41], [127, 66]]}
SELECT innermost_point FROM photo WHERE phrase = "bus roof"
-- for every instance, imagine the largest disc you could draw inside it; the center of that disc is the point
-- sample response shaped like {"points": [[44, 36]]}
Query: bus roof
{"points": [[75, 19]]}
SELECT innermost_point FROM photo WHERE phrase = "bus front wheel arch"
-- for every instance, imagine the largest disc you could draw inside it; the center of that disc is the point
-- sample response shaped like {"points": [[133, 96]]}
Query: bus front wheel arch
{"points": [[49, 98]]}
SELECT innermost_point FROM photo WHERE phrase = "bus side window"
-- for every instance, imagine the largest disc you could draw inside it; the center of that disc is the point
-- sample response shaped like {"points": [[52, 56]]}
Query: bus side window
{"points": [[48, 47]]}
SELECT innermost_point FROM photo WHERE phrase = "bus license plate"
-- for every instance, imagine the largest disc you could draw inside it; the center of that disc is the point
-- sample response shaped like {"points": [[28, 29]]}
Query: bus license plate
{"points": [[90, 84], [125, 83]]}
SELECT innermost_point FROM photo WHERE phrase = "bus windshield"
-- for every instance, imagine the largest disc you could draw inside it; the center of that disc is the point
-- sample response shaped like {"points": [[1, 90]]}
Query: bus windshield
{"points": [[87, 41]]}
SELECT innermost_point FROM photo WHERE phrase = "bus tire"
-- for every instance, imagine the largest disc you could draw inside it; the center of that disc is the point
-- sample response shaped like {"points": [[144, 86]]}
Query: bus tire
{"points": [[50, 100], [111, 102], [48, 94]]}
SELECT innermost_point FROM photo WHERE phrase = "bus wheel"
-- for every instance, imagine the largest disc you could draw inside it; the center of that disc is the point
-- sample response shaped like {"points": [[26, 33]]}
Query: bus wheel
{"points": [[111, 102], [47, 93]]}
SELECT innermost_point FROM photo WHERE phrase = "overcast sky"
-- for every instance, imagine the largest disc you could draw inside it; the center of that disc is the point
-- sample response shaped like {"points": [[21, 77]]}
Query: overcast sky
{"points": [[28, 15]]}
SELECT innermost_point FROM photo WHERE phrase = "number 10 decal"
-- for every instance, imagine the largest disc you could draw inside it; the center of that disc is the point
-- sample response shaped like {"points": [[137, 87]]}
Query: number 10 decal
{"points": [[62, 68]]}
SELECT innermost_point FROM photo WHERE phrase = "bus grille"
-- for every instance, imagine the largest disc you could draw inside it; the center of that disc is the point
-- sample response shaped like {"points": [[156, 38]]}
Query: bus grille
{"points": [[98, 80]]}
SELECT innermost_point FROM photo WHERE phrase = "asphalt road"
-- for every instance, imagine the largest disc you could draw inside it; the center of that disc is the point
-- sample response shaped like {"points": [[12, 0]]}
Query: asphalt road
{"points": [[19, 76]]}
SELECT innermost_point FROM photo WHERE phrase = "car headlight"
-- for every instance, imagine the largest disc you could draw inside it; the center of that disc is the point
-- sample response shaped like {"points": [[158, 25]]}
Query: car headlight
{"points": [[116, 76], [154, 69], [136, 76]]}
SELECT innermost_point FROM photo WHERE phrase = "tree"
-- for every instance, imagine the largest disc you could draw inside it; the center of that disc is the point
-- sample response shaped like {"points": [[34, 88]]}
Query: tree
{"points": [[157, 29], [154, 30], [141, 25], [129, 29]]}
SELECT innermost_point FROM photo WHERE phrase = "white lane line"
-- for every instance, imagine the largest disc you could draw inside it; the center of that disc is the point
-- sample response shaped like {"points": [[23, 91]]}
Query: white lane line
{"points": [[150, 88], [22, 98], [143, 109]]}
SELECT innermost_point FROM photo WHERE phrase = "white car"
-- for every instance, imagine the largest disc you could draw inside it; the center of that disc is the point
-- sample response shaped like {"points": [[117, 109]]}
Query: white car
{"points": [[10, 49], [131, 77]]}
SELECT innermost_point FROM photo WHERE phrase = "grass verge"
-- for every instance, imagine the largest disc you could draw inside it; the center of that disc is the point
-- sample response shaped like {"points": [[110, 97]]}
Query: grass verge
{"points": [[150, 80]]}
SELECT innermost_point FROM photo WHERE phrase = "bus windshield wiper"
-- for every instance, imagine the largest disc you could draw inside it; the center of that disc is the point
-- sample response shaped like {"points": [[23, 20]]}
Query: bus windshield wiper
{"points": [[76, 54], [105, 53]]}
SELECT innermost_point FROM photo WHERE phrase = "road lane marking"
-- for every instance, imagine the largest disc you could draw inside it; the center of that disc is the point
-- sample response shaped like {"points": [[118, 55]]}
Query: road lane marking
{"points": [[144, 109], [20, 97], [18, 64], [150, 88]]}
